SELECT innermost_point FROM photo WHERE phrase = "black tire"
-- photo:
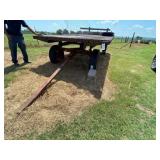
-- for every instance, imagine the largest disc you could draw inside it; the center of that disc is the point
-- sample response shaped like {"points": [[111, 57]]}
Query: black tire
{"points": [[153, 65], [56, 54]]}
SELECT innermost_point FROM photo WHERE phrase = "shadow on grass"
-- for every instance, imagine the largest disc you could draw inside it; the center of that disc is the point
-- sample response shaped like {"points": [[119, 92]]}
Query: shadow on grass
{"points": [[13, 68], [76, 71]]}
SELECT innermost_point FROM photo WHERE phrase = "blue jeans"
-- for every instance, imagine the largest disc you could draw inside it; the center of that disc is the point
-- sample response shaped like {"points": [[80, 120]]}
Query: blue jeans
{"points": [[13, 42]]}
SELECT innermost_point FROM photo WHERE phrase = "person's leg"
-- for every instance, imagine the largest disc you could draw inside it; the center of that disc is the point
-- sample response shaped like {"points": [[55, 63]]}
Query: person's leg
{"points": [[22, 46], [13, 48]]}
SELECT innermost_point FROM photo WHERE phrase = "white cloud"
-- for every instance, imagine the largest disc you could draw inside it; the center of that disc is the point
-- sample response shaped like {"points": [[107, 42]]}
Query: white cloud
{"points": [[104, 22], [115, 22], [54, 24], [112, 22], [138, 26], [149, 29]]}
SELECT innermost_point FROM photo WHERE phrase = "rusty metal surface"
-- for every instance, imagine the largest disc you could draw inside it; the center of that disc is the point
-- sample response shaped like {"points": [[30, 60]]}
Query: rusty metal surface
{"points": [[96, 39]]}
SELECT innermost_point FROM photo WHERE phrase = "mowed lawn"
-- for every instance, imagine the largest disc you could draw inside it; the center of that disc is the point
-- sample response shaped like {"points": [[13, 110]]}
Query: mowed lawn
{"points": [[132, 113]]}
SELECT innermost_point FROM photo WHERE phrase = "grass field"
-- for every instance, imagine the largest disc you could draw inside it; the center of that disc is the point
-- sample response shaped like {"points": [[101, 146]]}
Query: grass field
{"points": [[30, 42], [131, 115]]}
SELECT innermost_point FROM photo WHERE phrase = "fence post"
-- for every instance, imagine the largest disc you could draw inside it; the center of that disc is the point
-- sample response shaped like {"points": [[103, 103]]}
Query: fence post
{"points": [[132, 39], [121, 39]]}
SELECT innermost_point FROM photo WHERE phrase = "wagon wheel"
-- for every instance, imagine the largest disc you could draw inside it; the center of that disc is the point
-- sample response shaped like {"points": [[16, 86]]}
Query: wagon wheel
{"points": [[56, 54]]}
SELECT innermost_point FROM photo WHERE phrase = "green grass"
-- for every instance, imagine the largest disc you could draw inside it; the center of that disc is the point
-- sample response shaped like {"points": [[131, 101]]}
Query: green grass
{"points": [[106, 120], [12, 72], [119, 119], [130, 70], [30, 42]]}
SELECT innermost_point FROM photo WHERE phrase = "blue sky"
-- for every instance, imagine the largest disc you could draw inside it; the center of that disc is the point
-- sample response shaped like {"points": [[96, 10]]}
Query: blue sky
{"points": [[144, 28]]}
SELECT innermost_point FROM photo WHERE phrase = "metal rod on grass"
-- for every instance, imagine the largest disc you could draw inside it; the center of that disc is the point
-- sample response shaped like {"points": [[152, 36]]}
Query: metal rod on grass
{"points": [[39, 91]]}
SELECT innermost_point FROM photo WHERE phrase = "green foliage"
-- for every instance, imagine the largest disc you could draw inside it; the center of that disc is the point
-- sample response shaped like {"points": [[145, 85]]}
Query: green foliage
{"points": [[65, 31], [139, 38], [59, 31], [72, 32]]}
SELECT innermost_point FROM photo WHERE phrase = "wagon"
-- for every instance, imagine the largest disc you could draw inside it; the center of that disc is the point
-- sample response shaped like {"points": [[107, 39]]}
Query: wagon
{"points": [[85, 42]]}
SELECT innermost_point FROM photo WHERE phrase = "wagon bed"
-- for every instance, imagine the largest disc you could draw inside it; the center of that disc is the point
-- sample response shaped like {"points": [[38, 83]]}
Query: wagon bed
{"points": [[56, 53], [81, 38], [86, 44]]}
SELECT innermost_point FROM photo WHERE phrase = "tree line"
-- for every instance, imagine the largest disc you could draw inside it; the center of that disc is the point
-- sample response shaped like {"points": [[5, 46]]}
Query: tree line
{"points": [[62, 31], [122, 39]]}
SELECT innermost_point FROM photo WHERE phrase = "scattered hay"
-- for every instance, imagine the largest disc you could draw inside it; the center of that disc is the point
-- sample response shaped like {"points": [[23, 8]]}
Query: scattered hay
{"points": [[66, 97], [109, 90]]}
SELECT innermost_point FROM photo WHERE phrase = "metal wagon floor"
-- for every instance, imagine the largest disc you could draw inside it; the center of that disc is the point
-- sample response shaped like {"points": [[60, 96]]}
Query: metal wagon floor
{"points": [[79, 38]]}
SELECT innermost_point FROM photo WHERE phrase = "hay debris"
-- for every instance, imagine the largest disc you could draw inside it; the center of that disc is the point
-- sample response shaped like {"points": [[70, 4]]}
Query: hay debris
{"points": [[66, 97]]}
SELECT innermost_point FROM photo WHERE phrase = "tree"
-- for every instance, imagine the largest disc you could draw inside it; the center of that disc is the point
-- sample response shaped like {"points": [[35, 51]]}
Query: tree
{"points": [[65, 31], [139, 38], [59, 31], [26, 31], [72, 32], [79, 32]]}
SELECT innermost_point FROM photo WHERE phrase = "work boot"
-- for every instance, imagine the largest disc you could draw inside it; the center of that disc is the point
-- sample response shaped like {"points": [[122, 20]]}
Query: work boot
{"points": [[16, 64]]}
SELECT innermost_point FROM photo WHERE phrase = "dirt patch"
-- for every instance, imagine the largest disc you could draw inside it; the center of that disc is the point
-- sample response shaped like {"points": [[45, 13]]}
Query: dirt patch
{"points": [[7, 58], [68, 95]]}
